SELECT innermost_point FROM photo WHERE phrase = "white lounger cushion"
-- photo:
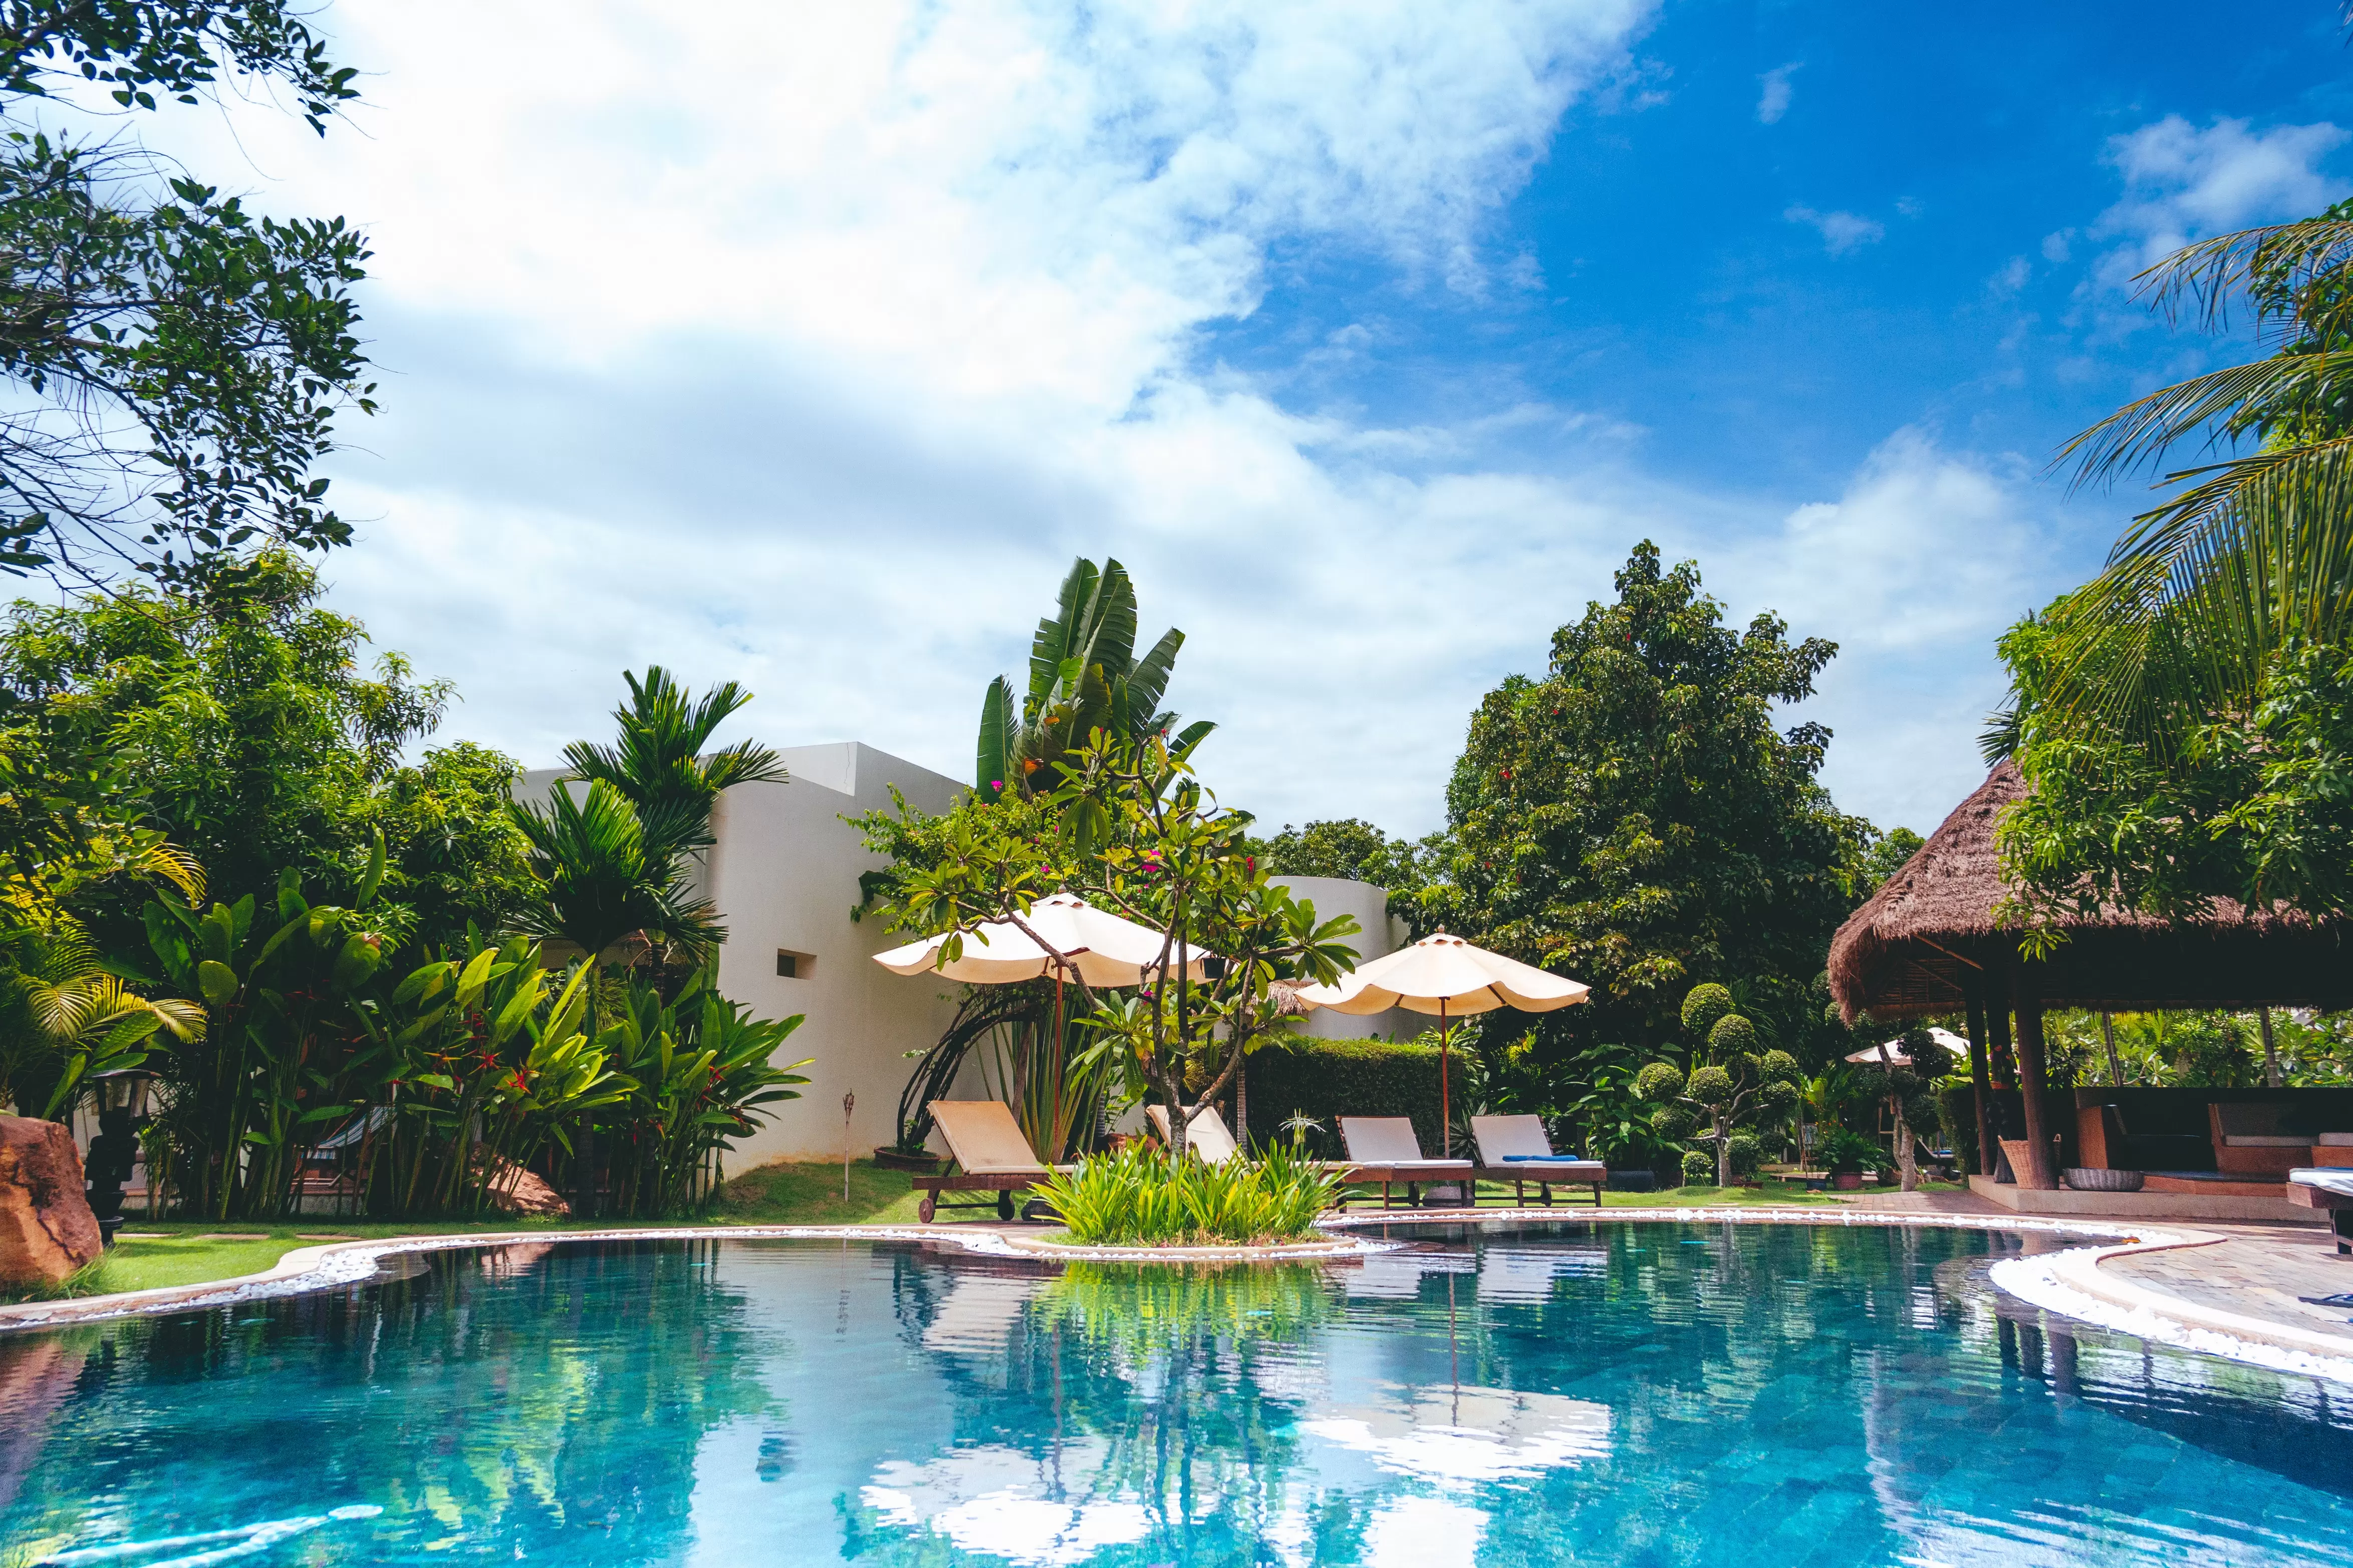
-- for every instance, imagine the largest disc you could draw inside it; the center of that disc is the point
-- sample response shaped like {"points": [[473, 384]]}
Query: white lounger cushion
{"points": [[1381, 1140], [984, 1138], [1205, 1132], [2334, 1140]]}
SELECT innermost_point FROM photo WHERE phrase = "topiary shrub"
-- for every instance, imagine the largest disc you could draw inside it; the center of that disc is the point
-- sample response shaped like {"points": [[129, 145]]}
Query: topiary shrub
{"points": [[1699, 1168], [1326, 1079], [1702, 1007], [1660, 1080], [1747, 1153], [1711, 1086], [1733, 1036]]}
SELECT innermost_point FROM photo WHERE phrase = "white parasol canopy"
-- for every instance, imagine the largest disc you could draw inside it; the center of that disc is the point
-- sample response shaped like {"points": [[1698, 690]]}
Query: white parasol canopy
{"points": [[1446, 975], [1102, 947], [1869, 1054]]}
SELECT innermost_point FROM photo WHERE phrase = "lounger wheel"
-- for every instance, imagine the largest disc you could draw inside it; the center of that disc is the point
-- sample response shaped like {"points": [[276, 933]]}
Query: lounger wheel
{"points": [[1005, 1206], [927, 1209], [1037, 1208]]}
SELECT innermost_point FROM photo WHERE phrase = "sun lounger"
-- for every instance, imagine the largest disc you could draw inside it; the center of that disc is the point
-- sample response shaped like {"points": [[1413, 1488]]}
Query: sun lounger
{"points": [[989, 1155], [1514, 1149], [1205, 1132], [2328, 1188], [1382, 1149]]}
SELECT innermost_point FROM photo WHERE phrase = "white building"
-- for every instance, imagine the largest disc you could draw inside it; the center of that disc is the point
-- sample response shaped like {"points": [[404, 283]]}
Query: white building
{"points": [[784, 875]]}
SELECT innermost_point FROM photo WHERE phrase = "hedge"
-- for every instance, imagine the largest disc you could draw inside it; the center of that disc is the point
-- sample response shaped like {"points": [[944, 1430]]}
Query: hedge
{"points": [[1330, 1079]]}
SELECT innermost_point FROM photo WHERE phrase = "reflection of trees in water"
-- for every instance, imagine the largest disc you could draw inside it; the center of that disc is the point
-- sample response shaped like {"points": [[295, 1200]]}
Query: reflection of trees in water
{"points": [[1136, 1412], [559, 1414]]}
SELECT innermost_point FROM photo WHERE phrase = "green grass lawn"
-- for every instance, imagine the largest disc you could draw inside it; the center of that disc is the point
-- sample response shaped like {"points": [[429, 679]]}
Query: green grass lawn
{"points": [[150, 1255]]}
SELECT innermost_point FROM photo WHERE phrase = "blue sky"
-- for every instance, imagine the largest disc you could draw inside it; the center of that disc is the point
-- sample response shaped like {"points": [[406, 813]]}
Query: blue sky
{"points": [[806, 348]]}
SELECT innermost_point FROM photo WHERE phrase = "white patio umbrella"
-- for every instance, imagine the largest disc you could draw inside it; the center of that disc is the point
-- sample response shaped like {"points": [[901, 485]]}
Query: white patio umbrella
{"points": [[1444, 974], [1096, 946], [1890, 1053]]}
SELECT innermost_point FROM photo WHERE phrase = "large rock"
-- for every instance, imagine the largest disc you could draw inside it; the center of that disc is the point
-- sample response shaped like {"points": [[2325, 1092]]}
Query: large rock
{"points": [[48, 1234], [518, 1191]]}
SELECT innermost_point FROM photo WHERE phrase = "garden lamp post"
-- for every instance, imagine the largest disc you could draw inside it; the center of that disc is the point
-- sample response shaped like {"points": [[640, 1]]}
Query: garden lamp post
{"points": [[114, 1148]]}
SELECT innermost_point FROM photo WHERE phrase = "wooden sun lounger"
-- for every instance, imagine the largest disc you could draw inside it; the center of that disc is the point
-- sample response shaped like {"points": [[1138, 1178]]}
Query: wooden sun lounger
{"points": [[1382, 1149], [2329, 1189], [989, 1155], [1499, 1138]]}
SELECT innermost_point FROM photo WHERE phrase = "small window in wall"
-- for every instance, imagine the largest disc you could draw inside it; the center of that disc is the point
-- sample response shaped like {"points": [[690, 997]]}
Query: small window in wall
{"points": [[793, 965]]}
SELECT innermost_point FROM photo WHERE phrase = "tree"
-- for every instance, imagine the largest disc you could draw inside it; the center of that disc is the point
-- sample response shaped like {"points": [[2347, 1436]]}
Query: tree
{"points": [[1908, 1088], [1724, 1093], [2250, 557], [178, 361], [1886, 853], [1083, 676], [245, 726], [1633, 820], [2252, 801], [1354, 849]]}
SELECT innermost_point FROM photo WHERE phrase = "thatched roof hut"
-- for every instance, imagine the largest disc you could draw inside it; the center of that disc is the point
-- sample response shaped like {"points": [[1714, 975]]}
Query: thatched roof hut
{"points": [[1929, 939]]}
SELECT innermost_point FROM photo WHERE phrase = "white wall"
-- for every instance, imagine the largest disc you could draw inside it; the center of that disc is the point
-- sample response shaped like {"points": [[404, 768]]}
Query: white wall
{"points": [[1381, 936], [784, 875]]}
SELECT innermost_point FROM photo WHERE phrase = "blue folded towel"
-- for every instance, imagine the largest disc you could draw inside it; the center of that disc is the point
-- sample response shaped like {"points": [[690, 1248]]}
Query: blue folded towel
{"points": [[1545, 1159]]}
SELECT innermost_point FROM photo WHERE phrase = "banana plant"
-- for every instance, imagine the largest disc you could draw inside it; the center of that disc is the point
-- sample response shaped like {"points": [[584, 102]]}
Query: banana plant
{"points": [[65, 1011]]}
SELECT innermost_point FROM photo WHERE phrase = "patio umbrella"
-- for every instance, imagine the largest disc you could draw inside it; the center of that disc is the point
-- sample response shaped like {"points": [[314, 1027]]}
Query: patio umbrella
{"points": [[1445, 975], [1086, 943], [1892, 1052], [1096, 946]]}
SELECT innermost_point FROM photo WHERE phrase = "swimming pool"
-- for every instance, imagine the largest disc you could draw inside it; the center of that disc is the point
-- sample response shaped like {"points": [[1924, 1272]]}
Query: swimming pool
{"points": [[1586, 1391]]}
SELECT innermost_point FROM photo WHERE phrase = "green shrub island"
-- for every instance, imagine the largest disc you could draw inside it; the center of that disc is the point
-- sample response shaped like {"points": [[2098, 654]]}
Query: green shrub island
{"points": [[1719, 1096], [1139, 1196]]}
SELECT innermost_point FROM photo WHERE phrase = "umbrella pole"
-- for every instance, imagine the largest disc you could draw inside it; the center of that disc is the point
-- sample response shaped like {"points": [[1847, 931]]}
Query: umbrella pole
{"points": [[1445, 1109]]}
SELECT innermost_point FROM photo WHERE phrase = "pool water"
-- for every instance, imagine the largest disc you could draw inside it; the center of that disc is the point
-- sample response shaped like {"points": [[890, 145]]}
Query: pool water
{"points": [[1595, 1393]]}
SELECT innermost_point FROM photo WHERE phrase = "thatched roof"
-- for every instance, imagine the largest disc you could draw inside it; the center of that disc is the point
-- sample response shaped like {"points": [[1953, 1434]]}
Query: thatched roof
{"points": [[1930, 935]]}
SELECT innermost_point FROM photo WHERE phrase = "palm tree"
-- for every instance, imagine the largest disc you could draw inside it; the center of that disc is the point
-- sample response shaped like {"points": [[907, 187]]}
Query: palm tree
{"points": [[659, 768], [2252, 555], [1084, 676], [61, 1011]]}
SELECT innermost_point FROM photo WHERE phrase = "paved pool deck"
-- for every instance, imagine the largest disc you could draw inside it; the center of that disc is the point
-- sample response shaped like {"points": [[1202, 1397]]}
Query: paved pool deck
{"points": [[2255, 1269]]}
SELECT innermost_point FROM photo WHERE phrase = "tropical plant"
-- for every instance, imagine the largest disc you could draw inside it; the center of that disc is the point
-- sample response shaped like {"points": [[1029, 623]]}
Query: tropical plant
{"points": [[1635, 820], [175, 361], [64, 1017], [694, 1069], [278, 1033], [1084, 677], [2251, 556], [1724, 1093], [1138, 1196], [1843, 1152]]}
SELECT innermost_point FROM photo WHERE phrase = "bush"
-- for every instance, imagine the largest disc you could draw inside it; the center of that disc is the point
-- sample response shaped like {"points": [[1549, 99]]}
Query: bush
{"points": [[1139, 1198], [1840, 1151], [1747, 1153], [1733, 1036], [1956, 1118], [1699, 1168], [1711, 1086], [1702, 1006], [1660, 1080], [1326, 1079]]}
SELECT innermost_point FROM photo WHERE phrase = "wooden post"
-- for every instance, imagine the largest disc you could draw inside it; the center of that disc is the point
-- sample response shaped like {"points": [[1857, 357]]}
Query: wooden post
{"points": [[2041, 1176], [2271, 1076], [1981, 1082]]}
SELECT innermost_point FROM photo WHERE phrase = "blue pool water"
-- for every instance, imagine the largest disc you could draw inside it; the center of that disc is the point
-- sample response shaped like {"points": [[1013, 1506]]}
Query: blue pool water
{"points": [[1589, 1393]]}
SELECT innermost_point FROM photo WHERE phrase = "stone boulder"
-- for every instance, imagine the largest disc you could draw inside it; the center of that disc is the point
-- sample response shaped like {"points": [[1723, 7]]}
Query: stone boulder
{"points": [[48, 1234], [517, 1191]]}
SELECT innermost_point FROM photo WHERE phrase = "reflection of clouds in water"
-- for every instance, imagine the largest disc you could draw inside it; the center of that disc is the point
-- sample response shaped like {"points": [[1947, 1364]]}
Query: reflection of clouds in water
{"points": [[1478, 1435], [978, 1313], [1525, 1274], [1423, 1532], [987, 1500]]}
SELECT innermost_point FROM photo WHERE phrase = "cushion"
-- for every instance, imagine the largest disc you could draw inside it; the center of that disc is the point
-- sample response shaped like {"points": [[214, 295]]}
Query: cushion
{"points": [[1379, 1140], [2264, 1141], [1510, 1137], [2334, 1140]]}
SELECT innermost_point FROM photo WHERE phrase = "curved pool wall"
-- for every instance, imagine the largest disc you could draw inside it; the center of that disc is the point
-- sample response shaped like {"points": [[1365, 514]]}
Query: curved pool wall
{"points": [[1591, 1391]]}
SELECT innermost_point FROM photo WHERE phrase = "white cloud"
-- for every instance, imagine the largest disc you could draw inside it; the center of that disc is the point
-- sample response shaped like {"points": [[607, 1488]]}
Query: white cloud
{"points": [[2013, 276], [1840, 231], [806, 350], [1773, 97], [2182, 184]]}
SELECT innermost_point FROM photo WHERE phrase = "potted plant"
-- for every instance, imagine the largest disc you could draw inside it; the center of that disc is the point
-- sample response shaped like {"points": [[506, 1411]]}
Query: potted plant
{"points": [[1846, 1156]]}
